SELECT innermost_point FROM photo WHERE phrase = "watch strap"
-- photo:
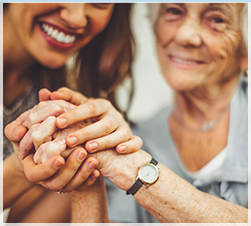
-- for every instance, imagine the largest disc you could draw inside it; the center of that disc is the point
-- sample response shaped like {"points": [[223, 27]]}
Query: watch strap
{"points": [[135, 187], [138, 183], [154, 162]]}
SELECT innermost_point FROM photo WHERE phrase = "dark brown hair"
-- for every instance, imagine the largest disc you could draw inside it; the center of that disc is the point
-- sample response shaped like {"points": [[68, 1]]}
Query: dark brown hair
{"points": [[106, 61], [101, 65]]}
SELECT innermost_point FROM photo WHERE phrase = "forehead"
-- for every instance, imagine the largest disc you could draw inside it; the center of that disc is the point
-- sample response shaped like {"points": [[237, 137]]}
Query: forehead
{"points": [[225, 7]]}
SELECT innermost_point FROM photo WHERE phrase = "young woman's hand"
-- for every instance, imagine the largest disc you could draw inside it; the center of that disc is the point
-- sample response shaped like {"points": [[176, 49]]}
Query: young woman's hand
{"points": [[108, 130], [75, 173]]}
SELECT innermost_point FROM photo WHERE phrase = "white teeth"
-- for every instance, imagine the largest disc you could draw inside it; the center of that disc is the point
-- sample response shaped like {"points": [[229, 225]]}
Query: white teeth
{"points": [[59, 36], [46, 27], [68, 39], [183, 61], [54, 34], [50, 31]]}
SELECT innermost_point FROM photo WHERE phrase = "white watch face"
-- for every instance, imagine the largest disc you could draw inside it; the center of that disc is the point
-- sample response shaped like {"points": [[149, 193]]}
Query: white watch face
{"points": [[148, 173]]}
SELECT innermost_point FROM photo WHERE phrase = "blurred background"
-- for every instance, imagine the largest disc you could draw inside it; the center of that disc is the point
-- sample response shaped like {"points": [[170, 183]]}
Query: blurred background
{"points": [[151, 91]]}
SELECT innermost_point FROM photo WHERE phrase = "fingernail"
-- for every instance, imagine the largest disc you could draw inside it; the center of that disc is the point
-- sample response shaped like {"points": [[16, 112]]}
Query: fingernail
{"points": [[122, 149], [16, 131], [81, 156], [94, 176], [62, 121], [72, 140], [62, 141], [72, 106], [92, 165], [93, 146], [58, 163]]}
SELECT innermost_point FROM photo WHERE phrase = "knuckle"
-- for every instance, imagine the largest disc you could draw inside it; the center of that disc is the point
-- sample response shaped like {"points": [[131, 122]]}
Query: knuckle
{"points": [[91, 107], [84, 174], [82, 135], [31, 119], [107, 126], [54, 186], [63, 89], [30, 177], [40, 105], [104, 144], [67, 190], [33, 128], [56, 107], [140, 142], [125, 134]]}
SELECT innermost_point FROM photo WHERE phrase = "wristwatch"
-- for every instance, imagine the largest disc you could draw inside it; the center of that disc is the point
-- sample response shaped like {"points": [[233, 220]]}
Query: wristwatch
{"points": [[148, 174]]}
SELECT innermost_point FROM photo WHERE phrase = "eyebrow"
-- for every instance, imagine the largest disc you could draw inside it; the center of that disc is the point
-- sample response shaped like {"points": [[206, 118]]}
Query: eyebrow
{"points": [[224, 6]]}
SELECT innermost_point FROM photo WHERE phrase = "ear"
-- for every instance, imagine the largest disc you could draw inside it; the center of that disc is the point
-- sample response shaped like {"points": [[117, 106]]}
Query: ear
{"points": [[244, 63]]}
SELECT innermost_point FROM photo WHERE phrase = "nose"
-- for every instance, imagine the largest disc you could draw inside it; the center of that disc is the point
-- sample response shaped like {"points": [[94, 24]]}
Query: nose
{"points": [[74, 15], [188, 33]]}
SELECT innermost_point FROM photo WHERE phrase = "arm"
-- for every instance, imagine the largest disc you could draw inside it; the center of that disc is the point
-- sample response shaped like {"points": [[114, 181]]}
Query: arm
{"points": [[94, 197], [170, 199], [13, 178]]}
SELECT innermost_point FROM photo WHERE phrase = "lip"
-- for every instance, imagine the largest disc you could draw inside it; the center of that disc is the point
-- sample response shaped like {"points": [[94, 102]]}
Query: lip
{"points": [[54, 43], [185, 63]]}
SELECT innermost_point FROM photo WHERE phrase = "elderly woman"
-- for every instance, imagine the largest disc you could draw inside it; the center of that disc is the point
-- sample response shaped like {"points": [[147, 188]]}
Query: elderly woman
{"points": [[201, 140]]}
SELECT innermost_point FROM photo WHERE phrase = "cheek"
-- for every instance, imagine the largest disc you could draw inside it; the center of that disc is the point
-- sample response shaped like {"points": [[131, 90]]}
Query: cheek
{"points": [[164, 33], [223, 45], [223, 50], [98, 22]]}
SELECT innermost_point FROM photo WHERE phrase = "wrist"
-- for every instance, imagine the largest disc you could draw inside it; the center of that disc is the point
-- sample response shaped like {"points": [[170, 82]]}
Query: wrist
{"points": [[14, 181], [122, 170]]}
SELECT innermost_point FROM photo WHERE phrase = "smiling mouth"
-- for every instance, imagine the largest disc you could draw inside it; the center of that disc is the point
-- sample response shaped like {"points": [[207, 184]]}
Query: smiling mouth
{"points": [[57, 35], [186, 62]]}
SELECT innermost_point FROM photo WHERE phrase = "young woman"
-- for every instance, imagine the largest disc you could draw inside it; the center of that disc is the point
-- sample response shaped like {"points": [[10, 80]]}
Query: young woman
{"points": [[38, 40]]}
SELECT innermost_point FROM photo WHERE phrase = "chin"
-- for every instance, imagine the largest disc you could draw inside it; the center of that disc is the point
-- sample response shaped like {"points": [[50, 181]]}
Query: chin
{"points": [[52, 64]]}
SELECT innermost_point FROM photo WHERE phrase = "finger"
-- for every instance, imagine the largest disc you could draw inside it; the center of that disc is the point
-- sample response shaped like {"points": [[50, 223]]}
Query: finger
{"points": [[49, 149], [65, 174], [82, 175], [132, 145], [122, 134], [15, 132], [89, 109], [98, 129], [90, 181], [20, 120], [54, 148], [36, 173], [45, 109], [44, 131], [44, 94], [37, 135], [69, 95]]}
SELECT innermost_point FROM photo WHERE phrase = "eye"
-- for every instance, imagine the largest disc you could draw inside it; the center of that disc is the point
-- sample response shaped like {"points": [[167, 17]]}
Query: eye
{"points": [[218, 20], [173, 14], [174, 11]]}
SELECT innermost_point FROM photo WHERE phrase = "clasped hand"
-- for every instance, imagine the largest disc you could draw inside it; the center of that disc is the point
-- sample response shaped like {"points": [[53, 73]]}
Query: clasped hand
{"points": [[62, 117]]}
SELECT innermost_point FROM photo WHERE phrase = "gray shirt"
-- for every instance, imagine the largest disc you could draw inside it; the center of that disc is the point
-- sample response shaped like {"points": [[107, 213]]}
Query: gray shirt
{"points": [[25, 101], [229, 182]]}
